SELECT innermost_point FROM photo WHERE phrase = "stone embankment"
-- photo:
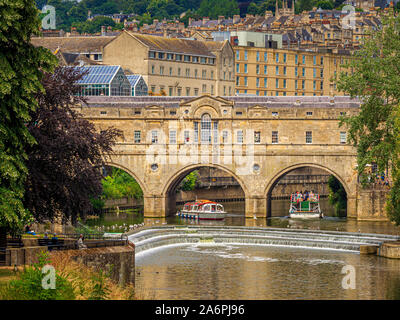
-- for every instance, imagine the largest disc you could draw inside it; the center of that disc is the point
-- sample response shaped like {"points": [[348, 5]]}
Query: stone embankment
{"points": [[154, 237]]}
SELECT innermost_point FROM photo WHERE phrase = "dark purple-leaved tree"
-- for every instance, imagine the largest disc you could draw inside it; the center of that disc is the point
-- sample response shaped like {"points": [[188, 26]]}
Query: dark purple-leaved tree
{"points": [[64, 166]]}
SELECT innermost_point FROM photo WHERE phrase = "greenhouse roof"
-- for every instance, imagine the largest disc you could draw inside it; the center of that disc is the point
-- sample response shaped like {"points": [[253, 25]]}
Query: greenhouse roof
{"points": [[133, 79], [98, 74]]}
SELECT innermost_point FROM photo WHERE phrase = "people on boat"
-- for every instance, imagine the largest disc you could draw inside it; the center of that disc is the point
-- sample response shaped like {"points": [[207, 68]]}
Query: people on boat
{"points": [[311, 196]]}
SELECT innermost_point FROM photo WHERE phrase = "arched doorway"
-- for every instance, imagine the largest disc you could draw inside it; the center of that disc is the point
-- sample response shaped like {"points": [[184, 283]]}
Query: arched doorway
{"points": [[211, 182], [332, 189]]}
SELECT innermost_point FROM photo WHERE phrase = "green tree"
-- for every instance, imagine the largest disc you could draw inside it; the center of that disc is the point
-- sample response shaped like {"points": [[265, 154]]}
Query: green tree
{"points": [[375, 130], [120, 184], [21, 66], [189, 182], [215, 8], [337, 195]]}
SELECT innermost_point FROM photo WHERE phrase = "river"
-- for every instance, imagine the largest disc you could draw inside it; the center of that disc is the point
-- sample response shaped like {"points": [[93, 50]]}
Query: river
{"points": [[207, 271]]}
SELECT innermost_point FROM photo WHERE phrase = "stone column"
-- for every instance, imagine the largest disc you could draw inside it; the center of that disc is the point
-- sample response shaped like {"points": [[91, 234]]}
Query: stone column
{"points": [[352, 206], [256, 206], [154, 206]]}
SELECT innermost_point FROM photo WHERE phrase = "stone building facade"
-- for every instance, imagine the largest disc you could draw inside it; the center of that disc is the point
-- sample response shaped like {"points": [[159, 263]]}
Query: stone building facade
{"points": [[178, 67]]}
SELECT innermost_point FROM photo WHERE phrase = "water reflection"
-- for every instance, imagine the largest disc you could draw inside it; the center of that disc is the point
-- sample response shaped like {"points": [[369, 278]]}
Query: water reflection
{"points": [[236, 217]]}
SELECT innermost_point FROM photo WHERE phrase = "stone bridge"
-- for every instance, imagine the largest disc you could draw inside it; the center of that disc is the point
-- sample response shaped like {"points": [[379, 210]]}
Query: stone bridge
{"points": [[257, 140]]}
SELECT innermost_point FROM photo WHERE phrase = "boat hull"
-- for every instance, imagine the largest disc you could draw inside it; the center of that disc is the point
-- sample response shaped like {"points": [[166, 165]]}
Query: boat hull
{"points": [[201, 215], [305, 215]]}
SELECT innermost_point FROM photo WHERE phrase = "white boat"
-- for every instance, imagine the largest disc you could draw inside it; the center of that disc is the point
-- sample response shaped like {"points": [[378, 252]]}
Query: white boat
{"points": [[202, 210], [305, 209]]}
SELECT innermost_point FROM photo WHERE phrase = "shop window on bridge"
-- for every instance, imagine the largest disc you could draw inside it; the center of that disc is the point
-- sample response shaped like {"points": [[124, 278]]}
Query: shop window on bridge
{"points": [[186, 136], [308, 137], [239, 136], [137, 136], [257, 136], [205, 128], [343, 137], [154, 137], [274, 137]]}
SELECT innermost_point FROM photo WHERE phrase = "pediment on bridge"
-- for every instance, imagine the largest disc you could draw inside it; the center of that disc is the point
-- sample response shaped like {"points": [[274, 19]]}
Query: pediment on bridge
{"points": [[207, 102], [257, 111], [155, 111]]}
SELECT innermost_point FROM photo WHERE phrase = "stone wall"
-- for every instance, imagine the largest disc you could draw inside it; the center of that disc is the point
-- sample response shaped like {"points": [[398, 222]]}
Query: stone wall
{"points": [[371, 204], [119, 261]]}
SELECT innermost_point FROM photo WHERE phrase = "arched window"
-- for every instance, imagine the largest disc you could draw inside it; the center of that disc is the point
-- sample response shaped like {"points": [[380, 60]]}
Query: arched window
{"points": [[205, 127]]}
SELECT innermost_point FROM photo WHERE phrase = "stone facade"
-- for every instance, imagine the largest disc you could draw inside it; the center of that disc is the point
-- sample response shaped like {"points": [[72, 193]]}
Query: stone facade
{"points": [[175, 66], [257, 140]]}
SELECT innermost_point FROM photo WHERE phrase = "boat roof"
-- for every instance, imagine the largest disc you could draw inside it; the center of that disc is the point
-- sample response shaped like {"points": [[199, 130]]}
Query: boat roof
{"points": [[200, 202]]}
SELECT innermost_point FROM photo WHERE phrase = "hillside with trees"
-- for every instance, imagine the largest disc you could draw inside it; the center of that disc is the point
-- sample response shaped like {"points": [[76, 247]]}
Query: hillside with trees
{"points": [[71, 13]]}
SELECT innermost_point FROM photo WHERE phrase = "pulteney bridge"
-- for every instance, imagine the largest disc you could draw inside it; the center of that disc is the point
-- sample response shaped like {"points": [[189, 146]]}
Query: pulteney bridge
{"points": [[257, 140]]}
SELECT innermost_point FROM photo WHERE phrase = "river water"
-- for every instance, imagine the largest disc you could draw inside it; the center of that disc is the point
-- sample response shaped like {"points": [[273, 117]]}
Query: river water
{"points": [[207, 271]]}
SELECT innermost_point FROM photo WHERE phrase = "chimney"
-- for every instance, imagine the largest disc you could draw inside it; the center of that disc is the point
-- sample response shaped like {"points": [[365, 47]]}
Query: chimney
{"points": [[236, 19], [103, 30]]}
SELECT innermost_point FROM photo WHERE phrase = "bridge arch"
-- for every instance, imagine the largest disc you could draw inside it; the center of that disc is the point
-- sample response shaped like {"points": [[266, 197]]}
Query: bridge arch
{"points": [[275, 179], [130, 172], [175, 179]]}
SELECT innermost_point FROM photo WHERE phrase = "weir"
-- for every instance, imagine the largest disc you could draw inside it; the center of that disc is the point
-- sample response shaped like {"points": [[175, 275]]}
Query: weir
{"points": [[155, 237]]}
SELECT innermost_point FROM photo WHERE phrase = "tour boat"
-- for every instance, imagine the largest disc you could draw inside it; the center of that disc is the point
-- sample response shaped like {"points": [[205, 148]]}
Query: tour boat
{"points": [[305, 209], [202, 210]]}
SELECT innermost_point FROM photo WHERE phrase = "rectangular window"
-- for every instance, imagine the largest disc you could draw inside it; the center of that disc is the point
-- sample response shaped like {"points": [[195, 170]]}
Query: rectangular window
{"points": [[187, 91], [284, 71], [245, 55], [265, 69], [154, 136], [303, 84], [170, 71], [258, 56], [245, 68], [245, 81], [296, 71], [295, 84], [186, 137], [172, 136], [224, 136], [314, 72], [309, 113], [258, 69], [284, 83], [296, 59], [265, 82], [303, 72], [304, 59], [137, 136], [277, 57], [257, 136], [204, 74], [275, 113], [274, 137], [196, 91], [308, 137], [257, 82], [204, 88], [237, 55], [276, 83], [314, 59], [237, 68], [239, 136], [322, 60], [265, 56], [343, 137], [284, 58], [179, 71], [277, 70]]}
